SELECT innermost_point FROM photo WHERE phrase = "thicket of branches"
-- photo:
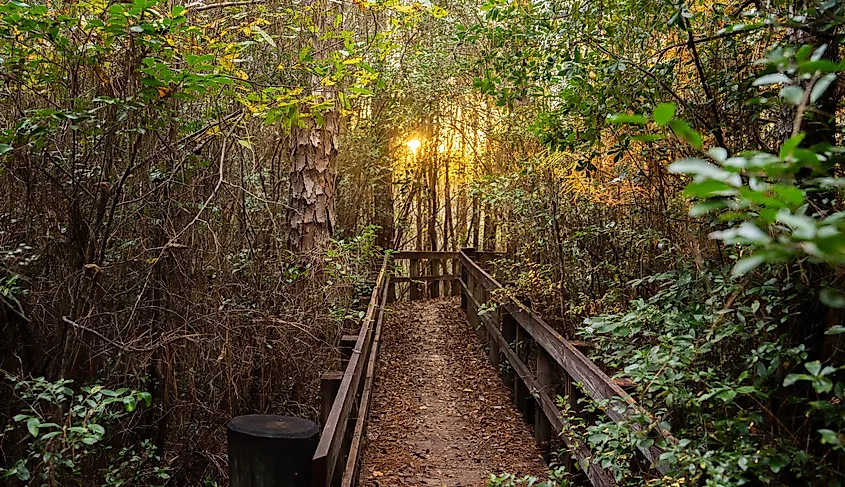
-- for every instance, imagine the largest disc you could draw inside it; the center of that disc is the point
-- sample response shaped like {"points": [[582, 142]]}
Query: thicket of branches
{"points": [[195, 194]]}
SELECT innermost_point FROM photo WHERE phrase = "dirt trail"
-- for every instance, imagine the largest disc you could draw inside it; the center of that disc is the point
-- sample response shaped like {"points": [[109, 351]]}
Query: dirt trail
{"points": [[441, 416]]}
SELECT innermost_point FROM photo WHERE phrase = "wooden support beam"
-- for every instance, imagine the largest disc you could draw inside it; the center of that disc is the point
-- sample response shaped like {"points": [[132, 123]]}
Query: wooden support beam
{"points": [[347, 345], [423, 278], [509, 334], [329, 384], [601, 388], [351, 472], [456, 286], [414, 271], [597, 476], [521, 393], [493, 352], [423, 254], [434, 285], [545, 381], [330, 450]]}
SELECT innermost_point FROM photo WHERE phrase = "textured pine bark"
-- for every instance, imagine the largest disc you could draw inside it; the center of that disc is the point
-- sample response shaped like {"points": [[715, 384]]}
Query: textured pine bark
{"points": [[311, 214]]}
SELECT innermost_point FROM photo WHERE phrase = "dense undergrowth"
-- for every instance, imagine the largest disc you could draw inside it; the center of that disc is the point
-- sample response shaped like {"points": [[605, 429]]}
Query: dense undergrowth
{"points": [[668, 171]]}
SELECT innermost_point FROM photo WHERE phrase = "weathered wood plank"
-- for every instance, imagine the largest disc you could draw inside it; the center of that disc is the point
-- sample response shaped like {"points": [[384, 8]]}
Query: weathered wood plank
{"points": [[414, 271], [542, 425], [598, 385]]}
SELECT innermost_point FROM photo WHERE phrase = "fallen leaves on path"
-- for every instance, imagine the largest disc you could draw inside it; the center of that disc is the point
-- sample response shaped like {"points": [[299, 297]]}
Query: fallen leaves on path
{"points": [[441, 416]]}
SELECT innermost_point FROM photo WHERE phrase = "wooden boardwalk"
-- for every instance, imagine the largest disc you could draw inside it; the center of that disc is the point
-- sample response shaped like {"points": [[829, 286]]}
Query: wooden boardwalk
{"points": [[440, 414], [424, 366]]}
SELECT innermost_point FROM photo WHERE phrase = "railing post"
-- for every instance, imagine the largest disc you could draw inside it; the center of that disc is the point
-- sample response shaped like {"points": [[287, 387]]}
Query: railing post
{"points": [[347, 345], [391, 292], [414, 271], [545, 381], [478, 294], [456, 285], [271, 451], [509, 333], [434, 286], [465, 276], [329, 385], [493, 345], [523, 400]]}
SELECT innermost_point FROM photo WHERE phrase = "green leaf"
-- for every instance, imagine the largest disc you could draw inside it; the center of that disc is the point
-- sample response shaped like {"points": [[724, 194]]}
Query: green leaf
{"points": [[49, 435], [821, 86], [746, 265], [146, 397], [663, 113], [32, 425], [129, 403], [771, 79], [4, 148], [788, 147], [832, 298], [835, 330], [685, 132], [622, 118], [96, 428], [360, 91], [792, 94], [709, 188], [264, 35], [830, 437]]}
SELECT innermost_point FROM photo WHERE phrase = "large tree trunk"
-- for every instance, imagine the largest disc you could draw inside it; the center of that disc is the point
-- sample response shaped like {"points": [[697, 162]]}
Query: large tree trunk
{"points": [[311, 211], [311, 214]]}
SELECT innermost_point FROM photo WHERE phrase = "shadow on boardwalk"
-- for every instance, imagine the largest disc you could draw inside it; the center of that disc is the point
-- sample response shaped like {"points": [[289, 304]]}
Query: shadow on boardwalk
{"points": [[441, 416]]}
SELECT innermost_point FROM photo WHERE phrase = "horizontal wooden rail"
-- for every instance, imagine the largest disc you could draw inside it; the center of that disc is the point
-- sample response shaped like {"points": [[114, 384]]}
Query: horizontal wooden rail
{"points": [[424, 278], [597, 475], [422, 254], [618, 404], [337, 444]]}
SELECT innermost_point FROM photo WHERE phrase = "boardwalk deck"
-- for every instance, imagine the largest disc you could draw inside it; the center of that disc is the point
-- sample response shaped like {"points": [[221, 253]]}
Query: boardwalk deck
{"points": [[440, 414]]}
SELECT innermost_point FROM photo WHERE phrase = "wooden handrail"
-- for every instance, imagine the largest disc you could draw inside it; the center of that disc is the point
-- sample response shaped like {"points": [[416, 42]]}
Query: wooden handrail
{"points": [[342, 436], [423, 254], [354, 392], [600, 387], [598, 476]]}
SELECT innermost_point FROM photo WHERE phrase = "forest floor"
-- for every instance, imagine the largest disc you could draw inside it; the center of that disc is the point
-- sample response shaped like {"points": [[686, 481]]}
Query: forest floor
{"points": [[441, 416]]}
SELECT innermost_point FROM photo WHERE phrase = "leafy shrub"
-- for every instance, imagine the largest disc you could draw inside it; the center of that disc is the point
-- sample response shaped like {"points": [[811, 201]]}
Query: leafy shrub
{"points": [[61, 427]]}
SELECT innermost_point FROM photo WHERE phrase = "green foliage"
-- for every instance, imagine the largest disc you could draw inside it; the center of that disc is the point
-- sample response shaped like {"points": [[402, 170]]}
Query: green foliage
{"points": [[557, 478], [707, 354], [61, 427]]}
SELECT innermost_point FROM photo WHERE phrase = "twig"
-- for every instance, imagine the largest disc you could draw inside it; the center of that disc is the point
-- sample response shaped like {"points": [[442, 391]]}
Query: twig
{"points": [[173, 239], [202, 8], [122, 346]]}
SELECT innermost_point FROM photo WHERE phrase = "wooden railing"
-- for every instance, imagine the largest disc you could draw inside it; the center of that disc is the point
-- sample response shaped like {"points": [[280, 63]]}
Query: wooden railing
{"points": [[516, 333], [336, 461]]}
